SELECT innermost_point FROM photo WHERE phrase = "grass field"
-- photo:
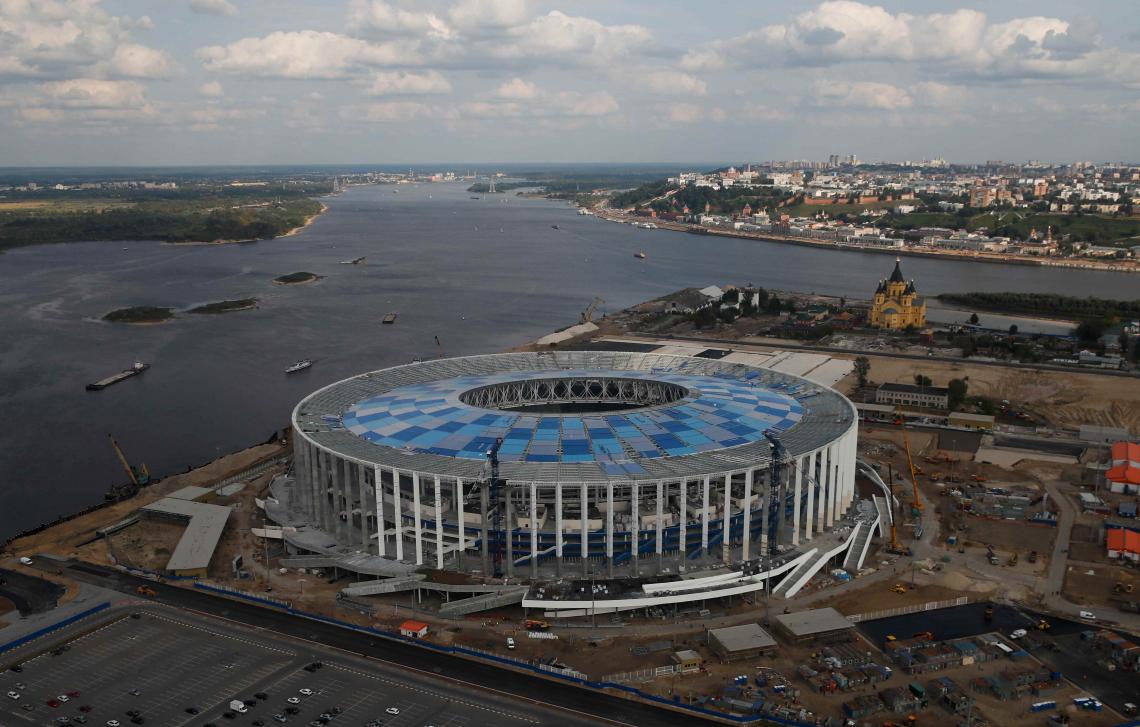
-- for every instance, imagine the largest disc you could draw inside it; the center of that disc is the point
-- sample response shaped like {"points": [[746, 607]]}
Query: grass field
{"points": [[53, 206]]}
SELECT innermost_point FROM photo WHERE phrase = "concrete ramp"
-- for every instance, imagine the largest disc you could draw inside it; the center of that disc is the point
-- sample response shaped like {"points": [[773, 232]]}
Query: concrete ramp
{"points": [[383, 585], [475, 604]]}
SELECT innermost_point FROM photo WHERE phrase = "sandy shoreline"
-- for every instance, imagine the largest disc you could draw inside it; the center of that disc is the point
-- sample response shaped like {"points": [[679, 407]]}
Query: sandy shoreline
{"points": [[296, 230]]}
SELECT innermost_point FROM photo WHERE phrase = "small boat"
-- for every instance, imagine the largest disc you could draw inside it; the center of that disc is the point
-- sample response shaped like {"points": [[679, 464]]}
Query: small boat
{"points": [[476, 198], [355, 261], [299, 366], [554, 227], [639, 255], [389, 319]]}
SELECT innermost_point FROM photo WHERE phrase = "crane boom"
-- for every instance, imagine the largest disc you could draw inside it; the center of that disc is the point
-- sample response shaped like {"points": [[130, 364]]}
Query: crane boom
{"points": [[909, 462], [123, 461]]}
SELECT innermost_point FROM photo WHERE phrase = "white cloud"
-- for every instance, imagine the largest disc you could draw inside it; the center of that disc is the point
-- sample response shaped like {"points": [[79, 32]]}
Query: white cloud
{"points": [[675, 83], [380, 18], [396, 83], [213, 7], [303, 54], [961, 43], [71, 38], [393, 112], [484, 15], [212, 89], [517, 88], [691, 113], [557, 36], [131, 60], [761, 112], [862, 94]]}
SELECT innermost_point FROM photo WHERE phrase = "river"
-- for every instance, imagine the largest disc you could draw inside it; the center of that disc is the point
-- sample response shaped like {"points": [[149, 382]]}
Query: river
{"points": [[482, 274]]}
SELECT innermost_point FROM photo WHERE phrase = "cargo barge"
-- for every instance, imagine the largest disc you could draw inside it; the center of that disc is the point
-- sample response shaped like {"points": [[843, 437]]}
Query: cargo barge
{"points": [[123, 375]]}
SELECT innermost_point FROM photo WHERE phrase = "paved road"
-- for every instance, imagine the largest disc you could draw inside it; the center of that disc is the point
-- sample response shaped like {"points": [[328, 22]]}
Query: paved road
{"points": [[738, 344], [600, 706]]}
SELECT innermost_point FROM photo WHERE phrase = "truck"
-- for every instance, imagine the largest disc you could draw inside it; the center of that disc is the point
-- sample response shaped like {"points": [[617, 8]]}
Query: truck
{"points": [[238, 706]]}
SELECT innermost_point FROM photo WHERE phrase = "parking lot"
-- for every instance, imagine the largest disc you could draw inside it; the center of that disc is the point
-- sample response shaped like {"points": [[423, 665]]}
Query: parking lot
{"points": [[161, 663]]}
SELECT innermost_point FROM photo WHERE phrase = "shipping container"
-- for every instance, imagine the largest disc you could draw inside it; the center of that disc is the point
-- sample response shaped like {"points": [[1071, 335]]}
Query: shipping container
{"points": [[1042, 706]]}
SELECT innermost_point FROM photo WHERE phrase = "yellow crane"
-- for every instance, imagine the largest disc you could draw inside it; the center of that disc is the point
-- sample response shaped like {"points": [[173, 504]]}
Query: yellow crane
{"points": [[588, 314], [909, 462], [140, 475]]}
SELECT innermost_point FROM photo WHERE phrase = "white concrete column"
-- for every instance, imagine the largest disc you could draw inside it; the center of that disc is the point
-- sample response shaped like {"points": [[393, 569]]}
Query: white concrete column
{"points": [[835, 514], [416, 523], [660, 515], [635, 533], [705, 518], [746, 534], [438, 526], [828, 487], [815, 500], [610, 524], [726, 522], [459, 511], [381, 535], [558, 521], [585, 530], [796, 502], [852, 453], [534, 529], [683, 533], [364, 534], [398, 513]]}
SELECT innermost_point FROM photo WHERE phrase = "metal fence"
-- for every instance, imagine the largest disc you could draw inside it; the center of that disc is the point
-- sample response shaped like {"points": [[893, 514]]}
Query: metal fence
{"points": [[904, 610], [646, 675]]}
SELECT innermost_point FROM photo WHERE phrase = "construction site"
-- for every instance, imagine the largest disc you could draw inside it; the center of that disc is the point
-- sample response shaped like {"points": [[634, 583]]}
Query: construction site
{"points": [[986, 529]]}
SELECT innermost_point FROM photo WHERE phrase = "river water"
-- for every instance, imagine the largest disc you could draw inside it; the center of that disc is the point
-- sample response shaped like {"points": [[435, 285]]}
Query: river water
{"points": [[483, 275]]}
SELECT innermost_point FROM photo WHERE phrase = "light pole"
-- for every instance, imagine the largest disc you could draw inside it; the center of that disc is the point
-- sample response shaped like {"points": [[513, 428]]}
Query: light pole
{"points": [[302, 582]]}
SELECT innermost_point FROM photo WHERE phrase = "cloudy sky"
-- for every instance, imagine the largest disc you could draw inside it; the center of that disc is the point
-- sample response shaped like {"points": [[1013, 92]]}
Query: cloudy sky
{"points": [[86, 82]]}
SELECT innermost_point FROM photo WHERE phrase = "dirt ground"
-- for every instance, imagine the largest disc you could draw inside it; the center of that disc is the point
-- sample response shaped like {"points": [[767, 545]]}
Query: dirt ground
{"points": [[1092, 585], [64, 539], [1065, 399]]}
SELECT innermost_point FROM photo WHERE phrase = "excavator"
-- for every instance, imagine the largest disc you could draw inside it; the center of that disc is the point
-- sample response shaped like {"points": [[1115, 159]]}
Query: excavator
{"points": [[138, 477]]}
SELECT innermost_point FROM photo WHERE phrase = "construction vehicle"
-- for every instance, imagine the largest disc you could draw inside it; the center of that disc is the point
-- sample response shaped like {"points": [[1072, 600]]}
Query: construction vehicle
{"points": [[1032, 556], [895, 547], [978, 478], [1012, 560], [989, 613], [917, 507], [898, 588], [146, 591], [533, 625], [137, 477], [1122, 587], [924, 636], [1044, 625]]}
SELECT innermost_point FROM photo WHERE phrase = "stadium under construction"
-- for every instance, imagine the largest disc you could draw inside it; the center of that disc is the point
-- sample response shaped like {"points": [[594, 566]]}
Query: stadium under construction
{"points": [[593, 480]]}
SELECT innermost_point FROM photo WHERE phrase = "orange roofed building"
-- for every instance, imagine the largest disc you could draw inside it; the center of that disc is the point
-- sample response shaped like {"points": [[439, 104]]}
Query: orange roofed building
{"points": [[1124, 475], [1124, 544], [414, 629]]}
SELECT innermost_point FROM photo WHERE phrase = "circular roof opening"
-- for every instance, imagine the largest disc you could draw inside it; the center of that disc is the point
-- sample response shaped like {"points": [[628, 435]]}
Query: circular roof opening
{"points": [[595, 394]]}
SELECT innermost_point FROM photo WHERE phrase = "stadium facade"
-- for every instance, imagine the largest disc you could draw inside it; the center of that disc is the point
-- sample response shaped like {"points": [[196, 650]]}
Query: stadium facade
{"points": [[635, 468]]}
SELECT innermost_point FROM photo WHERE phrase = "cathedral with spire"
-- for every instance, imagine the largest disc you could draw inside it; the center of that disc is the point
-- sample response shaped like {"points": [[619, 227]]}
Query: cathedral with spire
{"points": [[897, 305]]}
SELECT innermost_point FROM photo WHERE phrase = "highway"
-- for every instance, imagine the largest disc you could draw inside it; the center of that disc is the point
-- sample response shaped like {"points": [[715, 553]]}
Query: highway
{"points": [[605, 708]]}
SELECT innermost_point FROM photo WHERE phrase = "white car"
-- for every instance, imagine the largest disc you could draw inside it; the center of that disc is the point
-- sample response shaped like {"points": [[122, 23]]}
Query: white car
{"points": [[510, 643], [306, 691], [393, 710], [64, 698], [1088, 615], [1018, 634], [293, 700], [112, 723], [26, 560], [13, 695]]}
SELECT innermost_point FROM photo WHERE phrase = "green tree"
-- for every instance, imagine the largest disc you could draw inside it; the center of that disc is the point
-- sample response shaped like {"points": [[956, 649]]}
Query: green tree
{"points": [[774, 304], [1013, 329], [920, 380], [705, 317], [974, 319], [958, 389], [862, 368]]}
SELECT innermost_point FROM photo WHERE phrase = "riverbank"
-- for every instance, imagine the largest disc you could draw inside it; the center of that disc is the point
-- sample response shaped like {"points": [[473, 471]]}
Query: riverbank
{"points": [[310, 219], [1093, 265]]}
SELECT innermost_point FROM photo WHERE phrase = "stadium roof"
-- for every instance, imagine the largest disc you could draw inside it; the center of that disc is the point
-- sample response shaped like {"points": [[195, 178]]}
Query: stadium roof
{"points": [[413, 418]]}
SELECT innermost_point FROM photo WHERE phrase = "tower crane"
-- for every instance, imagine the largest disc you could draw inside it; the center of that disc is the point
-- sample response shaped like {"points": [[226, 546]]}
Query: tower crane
{"points": [[918, 507], [494, 484]]}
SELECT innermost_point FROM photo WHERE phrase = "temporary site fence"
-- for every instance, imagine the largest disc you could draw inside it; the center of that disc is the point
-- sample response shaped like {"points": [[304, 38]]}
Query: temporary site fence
{"points": [[904, 610]]}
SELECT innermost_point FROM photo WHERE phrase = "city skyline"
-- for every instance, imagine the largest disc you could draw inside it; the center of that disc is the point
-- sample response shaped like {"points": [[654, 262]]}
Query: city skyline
{"points": [[246, 82]]}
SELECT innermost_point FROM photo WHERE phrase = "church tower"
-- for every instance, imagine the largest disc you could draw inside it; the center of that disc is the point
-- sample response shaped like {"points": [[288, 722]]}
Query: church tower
{"points": [[896, 304]]}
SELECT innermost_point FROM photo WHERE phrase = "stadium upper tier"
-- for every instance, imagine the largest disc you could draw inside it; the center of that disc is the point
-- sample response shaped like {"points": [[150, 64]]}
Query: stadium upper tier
{"points": [[571, 415]]}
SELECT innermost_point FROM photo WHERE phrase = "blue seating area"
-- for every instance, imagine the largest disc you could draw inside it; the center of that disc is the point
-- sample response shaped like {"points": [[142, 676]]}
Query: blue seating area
{"points": [[718, 412]]}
